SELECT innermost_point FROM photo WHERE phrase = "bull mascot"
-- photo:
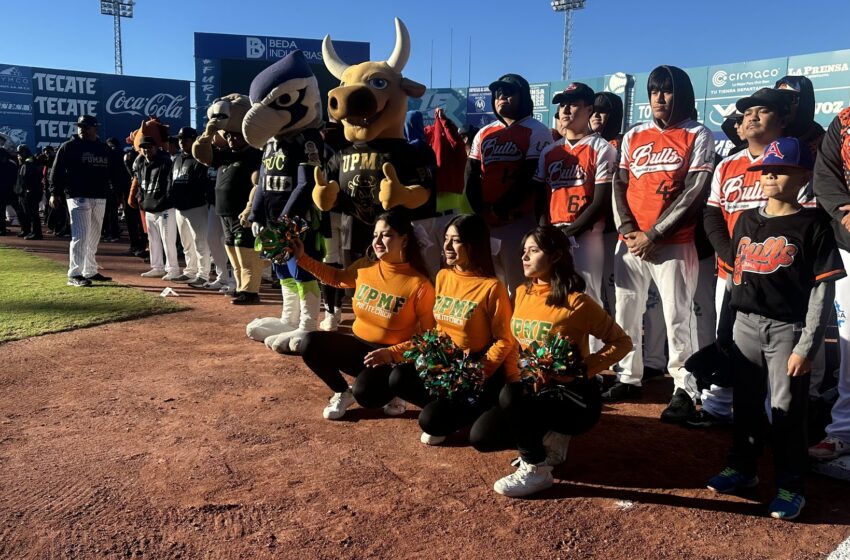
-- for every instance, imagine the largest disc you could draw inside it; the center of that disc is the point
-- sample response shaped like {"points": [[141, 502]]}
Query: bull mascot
{"points": [[284, 121], [380, 170]]}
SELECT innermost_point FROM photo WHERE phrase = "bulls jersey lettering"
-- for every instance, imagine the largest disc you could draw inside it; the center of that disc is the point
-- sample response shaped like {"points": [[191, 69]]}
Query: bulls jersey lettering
{"points": [[658, 161], [762, 257], [572, 171], [503, 151]]}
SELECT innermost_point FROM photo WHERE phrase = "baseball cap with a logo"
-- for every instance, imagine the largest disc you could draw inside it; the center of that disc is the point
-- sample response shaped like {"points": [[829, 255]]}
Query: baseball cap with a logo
{"points": [[785, 152], [87, 120], [573, 92]]}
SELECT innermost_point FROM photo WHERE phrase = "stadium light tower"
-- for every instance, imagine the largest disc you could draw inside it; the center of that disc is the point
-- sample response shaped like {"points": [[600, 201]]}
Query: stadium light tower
{"points": [[568, 7], [117, 9]]}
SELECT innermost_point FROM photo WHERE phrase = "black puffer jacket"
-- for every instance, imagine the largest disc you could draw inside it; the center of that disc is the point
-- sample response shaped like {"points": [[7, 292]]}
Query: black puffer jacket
{"points": [[154, 182]]}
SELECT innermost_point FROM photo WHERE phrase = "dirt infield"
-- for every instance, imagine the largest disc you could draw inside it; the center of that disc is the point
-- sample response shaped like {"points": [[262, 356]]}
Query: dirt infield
{"points": [[177, 437]]}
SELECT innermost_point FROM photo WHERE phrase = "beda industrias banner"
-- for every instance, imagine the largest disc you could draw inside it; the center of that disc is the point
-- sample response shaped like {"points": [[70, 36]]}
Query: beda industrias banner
{"points": [[40, 106]]}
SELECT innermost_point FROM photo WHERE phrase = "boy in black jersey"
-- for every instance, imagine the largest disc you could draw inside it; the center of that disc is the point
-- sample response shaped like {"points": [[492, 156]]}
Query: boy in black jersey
{"points": [[786, 261]]}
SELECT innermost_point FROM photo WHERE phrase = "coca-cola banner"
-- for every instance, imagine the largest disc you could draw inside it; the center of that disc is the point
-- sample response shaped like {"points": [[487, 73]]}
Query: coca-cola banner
{"points": [[49, 101]]}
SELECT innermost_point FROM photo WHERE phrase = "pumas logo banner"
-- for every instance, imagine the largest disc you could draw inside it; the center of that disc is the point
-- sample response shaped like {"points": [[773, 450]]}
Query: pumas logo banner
{"points": [[646, 160], [764, 257]]}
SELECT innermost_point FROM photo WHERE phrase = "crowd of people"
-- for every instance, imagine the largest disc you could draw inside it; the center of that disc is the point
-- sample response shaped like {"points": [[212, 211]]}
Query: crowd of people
{"points": [[624, 243]]}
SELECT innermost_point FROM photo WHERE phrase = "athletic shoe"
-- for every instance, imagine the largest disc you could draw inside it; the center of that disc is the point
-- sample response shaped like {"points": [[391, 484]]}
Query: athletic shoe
{"points": [[33, 237], [79, 281], [681, 408], [217, 285], [428, 439], [153, 273], [331, 321], [621, 391], [557, 445], [338, 404], [23, 233], [172, 277], [786, 505], [652, 373], [730, 481], [246, 298], [182, 278], [704, 419], [829, 448], [527, 480], [197, 283], [395, 407], [98, 277]]}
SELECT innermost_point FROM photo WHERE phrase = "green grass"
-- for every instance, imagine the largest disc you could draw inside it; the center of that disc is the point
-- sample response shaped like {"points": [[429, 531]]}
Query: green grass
{"points": [[35, 300]]}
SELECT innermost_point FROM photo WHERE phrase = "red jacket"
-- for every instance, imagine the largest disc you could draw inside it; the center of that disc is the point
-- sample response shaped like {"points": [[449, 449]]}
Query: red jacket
{"points": [[451, 154]]}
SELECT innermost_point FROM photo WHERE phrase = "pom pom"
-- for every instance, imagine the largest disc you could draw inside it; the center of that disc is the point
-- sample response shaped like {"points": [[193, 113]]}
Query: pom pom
{"points": [[540, 365], [446, 371], [276, 238]]}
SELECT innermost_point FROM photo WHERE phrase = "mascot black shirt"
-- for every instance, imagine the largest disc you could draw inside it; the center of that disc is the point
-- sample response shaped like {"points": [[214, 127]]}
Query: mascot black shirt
{"points": [[233, 179], [279, 176], [359, 171]]}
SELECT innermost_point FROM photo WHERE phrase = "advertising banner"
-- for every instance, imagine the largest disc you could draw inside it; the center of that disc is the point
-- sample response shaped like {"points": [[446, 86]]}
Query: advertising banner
{"points": [[479, 106], [207, 88], [830, 76], [729, 82], [541, 98], [59, 98], [15, 106], [452, 101]]}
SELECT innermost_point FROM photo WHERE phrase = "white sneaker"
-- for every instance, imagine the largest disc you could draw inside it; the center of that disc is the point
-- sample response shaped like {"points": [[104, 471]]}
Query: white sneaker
{"points": [[217, 285], [428, 439], [557, 445], [395, 407], [153, 273], [331, 320], [173, 277], [338, 404], [829, 448], [527, 480]]}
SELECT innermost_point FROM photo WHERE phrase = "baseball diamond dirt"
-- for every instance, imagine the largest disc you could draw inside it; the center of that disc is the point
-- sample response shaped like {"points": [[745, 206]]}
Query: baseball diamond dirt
{"points": [[176, 436]]}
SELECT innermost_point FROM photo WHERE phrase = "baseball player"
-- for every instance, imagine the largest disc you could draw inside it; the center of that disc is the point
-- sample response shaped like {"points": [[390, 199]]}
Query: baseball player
{"points": [[665, 171], [80, 175], [786, 261]]}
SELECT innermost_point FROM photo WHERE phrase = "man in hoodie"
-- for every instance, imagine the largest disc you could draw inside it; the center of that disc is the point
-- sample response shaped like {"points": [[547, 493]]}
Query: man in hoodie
{"points": [[801, 120], [30, 192], [500, 169], [153, 173], [832, 188], [188, 194], [659, 190]]}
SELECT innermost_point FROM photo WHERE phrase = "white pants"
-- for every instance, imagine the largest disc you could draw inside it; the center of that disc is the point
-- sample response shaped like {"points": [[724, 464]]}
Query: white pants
{"points": [[333, 244], [589, 261], [609, 244], [426, 236], [215, 242], [86, 221], [162, 237], [840, 426], [192, 226], [674, 271], [508, 258], [654, 331]]}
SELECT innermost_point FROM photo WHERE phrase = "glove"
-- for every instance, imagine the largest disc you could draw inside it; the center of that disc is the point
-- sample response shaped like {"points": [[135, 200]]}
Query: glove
{"points": [[325, 192], [393, 193], [256, 228]]}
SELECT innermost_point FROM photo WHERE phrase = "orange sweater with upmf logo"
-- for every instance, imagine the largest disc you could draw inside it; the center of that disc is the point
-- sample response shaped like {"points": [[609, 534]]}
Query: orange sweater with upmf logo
{"points": [[391, 303], [475, 312], [533, 320]]}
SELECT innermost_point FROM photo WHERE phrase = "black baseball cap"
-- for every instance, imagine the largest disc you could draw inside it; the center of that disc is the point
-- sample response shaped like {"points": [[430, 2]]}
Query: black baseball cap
{"points": [[187, 132], [147, 141], [509, 82], [765, 97], [87, 120], [573, 92]]}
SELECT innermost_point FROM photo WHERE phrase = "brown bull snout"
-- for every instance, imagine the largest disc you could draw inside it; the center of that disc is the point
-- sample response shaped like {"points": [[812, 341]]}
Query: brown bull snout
{"points": [[349, 102]]}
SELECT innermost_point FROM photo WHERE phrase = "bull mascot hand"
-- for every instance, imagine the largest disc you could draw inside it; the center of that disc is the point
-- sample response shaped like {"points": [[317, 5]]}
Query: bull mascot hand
{"points": [[325, 192], [393, 193]]}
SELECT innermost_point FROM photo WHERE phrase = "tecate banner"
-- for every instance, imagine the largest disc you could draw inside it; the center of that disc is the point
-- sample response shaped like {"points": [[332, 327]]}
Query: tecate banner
{"points": [[54, 100]]}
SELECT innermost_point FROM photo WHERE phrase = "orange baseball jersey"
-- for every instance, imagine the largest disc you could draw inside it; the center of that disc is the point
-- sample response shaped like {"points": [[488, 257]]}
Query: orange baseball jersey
{"points": [[503, 151], [533, 321], [734, 189], [572, 171], [391, 302], [475, 312], [658, 160]]}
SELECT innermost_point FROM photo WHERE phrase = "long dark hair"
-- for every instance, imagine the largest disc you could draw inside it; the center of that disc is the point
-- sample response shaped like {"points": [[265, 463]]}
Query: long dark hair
{"points": [[401, 224], [474, 233], [565, 280]]}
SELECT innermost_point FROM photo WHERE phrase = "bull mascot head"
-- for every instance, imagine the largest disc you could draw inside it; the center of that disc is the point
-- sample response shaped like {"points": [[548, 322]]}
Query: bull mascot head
{"points": [[371, 101], [153, 128]]}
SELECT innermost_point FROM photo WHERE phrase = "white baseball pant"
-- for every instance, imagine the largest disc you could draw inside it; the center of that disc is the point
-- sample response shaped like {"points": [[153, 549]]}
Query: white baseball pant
{"points": [[162, 237], [674, 269], [86, 221], [654, 331], [589, 260], [192, 227]]}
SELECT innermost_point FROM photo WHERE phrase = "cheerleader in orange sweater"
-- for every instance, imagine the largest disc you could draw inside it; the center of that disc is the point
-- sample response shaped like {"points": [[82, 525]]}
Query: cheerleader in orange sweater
{"points": [[473, 308], [392, 301], [553, 301]]}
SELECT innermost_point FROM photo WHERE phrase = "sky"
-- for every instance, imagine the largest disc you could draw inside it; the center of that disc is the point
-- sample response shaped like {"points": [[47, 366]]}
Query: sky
{"points": [[519, 36]]}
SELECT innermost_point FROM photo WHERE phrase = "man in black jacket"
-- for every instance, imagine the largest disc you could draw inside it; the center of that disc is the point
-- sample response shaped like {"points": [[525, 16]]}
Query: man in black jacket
{"points": [[29, 192], [188, 192], [153, 172], [80, 175]]}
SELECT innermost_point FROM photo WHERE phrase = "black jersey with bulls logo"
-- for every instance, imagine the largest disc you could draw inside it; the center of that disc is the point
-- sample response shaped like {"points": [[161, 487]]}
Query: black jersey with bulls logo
{"points": [[359, 171], [778, 259]]}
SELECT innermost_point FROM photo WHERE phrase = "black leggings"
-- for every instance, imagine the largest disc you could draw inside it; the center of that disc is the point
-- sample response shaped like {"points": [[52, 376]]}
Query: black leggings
{"points": [[329, 353], [522, 420], [331, 295], [441, 417]]}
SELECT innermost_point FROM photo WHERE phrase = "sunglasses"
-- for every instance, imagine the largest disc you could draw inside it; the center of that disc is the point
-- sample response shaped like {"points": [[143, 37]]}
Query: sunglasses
{"points": [[228, 135]]}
